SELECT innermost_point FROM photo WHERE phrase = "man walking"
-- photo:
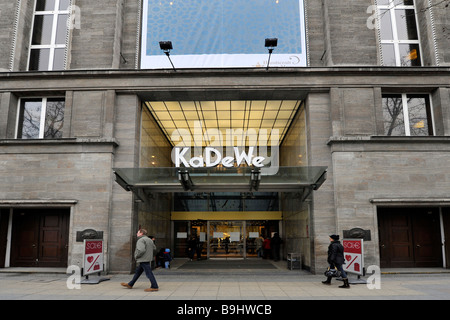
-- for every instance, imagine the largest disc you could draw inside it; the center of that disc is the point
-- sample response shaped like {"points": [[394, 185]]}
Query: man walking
{"points": [[143, 255]]}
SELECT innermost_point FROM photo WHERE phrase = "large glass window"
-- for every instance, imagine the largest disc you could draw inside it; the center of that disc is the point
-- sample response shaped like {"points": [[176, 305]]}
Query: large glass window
{"points": [[48, 40], [41, 118], [398, 33], [407, 115]]}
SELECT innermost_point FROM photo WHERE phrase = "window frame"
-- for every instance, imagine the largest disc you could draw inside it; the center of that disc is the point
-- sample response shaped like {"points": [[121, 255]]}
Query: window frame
{"points": [[391, 7], [406, 113], [42, 119], [52, 46]]}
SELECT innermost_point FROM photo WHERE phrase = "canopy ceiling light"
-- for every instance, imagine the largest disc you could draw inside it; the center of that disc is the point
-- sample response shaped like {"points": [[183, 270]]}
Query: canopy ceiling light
{"points": [[166, 46], [271, 43]]}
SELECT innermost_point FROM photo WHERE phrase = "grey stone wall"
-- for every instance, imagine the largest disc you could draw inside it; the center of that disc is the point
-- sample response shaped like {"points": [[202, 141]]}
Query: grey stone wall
{"points": [[440, 14], [7, 17], [124, 211], [367, 173], [323, 218], [97, 43], [108, 37], [63, 170]]}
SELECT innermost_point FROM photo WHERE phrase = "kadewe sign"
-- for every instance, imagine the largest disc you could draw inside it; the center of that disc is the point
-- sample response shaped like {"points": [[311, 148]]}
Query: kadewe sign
{"points": [[93, 256], [354, 255]]}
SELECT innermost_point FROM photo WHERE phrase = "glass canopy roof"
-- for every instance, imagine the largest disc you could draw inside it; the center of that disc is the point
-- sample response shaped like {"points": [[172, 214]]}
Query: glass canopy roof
{"points": [[242, 115], [219, 179]]}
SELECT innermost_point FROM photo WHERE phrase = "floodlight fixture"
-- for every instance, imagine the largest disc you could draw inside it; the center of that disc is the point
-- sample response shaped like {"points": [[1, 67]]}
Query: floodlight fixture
{"points": [[166, 46], [270, 43]]}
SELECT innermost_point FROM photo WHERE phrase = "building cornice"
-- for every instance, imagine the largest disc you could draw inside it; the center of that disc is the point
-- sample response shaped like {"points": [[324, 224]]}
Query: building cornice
{"points": [[226, 84]]}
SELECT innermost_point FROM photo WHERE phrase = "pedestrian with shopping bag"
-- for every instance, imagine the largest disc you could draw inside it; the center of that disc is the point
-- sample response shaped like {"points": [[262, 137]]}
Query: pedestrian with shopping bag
{"points": [[336, 260]]}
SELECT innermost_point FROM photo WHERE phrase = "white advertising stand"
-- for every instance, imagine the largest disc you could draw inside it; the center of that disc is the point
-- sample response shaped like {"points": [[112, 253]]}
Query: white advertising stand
{"points": [[93, 261], [354, 259]]}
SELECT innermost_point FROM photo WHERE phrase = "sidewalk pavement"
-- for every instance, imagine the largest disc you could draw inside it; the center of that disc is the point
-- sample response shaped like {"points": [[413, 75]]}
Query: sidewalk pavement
{"points": [[223, 284]]}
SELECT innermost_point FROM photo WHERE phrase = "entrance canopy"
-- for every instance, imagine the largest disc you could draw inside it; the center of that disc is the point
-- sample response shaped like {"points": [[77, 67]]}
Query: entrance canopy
{"points": [[141, 181]]}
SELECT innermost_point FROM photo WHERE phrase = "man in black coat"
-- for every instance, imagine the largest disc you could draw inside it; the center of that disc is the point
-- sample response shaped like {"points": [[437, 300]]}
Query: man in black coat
{"points": [[336, 259]]}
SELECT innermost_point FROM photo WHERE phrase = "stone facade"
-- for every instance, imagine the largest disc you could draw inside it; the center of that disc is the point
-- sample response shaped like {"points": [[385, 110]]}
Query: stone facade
{"points": [[342, 90]]}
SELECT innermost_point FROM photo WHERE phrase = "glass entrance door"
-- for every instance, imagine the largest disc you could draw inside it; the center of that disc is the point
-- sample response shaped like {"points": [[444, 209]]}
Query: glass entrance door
{"points": [[226, 239]]}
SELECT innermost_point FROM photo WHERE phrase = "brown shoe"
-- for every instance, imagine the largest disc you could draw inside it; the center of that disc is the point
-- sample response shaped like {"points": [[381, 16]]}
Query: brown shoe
{"points": [[151, 289], [126, 285]]}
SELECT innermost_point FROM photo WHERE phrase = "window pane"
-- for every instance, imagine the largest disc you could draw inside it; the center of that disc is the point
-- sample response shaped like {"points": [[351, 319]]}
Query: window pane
{"points": [[61, 29], [417, 111], [30, 119], [409, 55], [42, 30], [385, 25], [64, 4], [388, 53], [383, 2], [58, 61], [45, 5], [54, 119], [394, 124], [39, 59], [406, 24], [404, 2]]}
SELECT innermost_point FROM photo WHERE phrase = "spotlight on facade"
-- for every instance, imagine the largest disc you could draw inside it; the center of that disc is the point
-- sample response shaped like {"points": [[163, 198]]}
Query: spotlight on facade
{"points": [[271, 43], [166, 46]]}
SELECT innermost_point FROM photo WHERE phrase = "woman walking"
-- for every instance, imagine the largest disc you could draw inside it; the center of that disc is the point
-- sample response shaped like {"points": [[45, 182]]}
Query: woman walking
{"points": [[336, 259]]}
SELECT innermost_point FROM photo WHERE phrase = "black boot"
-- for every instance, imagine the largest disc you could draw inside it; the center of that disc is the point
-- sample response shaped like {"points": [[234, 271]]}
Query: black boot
{"points": [[345, 285], [328, 281]]}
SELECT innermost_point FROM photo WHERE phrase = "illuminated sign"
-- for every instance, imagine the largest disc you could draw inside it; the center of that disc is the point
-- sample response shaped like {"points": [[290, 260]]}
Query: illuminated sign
{"points": [[223, 33], [207, 159], [232, 148]]}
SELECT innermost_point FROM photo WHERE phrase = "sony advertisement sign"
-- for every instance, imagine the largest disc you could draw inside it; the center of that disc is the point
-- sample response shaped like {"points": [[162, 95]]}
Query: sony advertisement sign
{"points": [[231, 148], [223, 33]]}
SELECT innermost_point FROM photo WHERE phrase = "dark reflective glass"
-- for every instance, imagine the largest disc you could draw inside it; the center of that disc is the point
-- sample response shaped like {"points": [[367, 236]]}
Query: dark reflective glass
{"points": [[58, 61], [39, 59], [64, 4], [418, 109], [30, 119], [406, 24], [54, 118], [394, 123], [409, 55], [61, 29], [45, 5], [388, 53], [42, 29], [386, 25]]}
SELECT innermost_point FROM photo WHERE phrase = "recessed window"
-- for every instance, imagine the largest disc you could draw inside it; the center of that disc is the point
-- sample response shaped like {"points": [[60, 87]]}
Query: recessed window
{"points": [[41, 118], [407, 115], [48, 40], [398, 33]]}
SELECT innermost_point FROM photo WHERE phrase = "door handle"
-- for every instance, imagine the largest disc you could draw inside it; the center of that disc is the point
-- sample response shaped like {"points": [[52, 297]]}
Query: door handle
{"points": [[33, 245], [383, 246], [418, 245]]}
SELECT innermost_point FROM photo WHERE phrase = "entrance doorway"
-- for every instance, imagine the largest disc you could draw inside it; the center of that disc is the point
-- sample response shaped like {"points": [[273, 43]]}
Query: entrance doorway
{"points": [[409, 237], [233, 239], [226, 239], [40, 238]]}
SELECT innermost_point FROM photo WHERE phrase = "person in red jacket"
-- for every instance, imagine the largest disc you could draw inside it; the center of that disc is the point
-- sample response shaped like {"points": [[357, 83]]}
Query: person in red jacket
{"points": [[266, 248]]}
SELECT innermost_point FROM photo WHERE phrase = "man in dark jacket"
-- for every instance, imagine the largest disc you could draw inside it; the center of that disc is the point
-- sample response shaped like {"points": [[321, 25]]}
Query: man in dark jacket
{"points": [[336, 259], [275, 244], [143, 255]]}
